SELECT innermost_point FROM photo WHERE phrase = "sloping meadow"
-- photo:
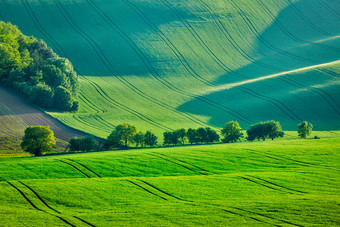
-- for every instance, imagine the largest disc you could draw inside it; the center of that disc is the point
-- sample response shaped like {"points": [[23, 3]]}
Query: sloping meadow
{"points": [[163, 65], [287, 182]]}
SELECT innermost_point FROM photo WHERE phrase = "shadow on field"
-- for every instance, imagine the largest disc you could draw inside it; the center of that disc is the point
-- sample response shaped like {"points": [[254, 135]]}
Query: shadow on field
{"points": [[301, 35]]}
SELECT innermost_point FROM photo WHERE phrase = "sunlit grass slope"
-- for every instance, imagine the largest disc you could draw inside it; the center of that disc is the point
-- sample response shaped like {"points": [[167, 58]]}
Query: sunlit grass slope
{"points": [[166, 64], [284, 182]]}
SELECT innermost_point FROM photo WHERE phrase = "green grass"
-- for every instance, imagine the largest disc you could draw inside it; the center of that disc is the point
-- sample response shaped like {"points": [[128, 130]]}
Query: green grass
{"points": [[280, 182], [157, 64]]}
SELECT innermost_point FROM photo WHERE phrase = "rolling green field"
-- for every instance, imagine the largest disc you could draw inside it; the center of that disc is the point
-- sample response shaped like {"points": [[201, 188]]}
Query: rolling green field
{"points": [[169, 64], [284, 183]]}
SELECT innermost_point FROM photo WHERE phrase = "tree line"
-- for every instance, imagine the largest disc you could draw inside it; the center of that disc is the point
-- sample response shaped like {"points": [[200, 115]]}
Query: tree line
{"points": [[34, 70], [40, 139]]}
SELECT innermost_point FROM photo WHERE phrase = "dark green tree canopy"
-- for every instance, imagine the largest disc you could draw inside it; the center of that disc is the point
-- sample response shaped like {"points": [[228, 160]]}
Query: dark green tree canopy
{"points": [[123, 134], [38, 140], [33, 69], [263, 130], [231, 132], [150, 139], [304, 129]]}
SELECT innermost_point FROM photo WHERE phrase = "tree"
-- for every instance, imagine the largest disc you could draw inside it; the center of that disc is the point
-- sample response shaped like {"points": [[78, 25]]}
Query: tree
{"points": [[122, 134], [150, 139], [201, 135], [304, 129], [273, 130], [232, 132], [167, 138], [192, 136], [182, 135], [171, 138], [212, 135], [63, 98], [86, 143], [139, 139], [38, 140]]}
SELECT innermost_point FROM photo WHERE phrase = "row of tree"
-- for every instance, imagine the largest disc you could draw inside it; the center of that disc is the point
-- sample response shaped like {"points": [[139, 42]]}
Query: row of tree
{"points": [[40, 139], [34, 70]]}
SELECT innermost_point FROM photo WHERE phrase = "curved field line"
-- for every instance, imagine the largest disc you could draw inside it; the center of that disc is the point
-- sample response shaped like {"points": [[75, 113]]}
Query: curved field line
{"points": [[35, 207], [253, 29], [114, 71], [282, 107], [25, 197], [312, 25], [228, 36], [139, 115], [38, 196], [147, 190], [196, 36], [224, 31], [266, 216], [85, 167], [277, 185], [186, 163], [328, 8], [186, 167], [256, 182], [163, 37], [164, 192], [288, 33], [153, 72], [41, 28], [79, 119], [93, 106], [103, 123], [82, 220], [74, 167], [199, 97]]}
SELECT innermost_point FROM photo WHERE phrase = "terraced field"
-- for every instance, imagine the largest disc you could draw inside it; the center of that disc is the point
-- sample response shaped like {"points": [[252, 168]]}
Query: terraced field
{"points": [[168, 64], [281, 183]]}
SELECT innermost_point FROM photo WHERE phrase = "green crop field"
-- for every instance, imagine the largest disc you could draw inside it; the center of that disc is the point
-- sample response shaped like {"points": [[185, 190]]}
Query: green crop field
{"points": [[169, 64], [282, 182]]}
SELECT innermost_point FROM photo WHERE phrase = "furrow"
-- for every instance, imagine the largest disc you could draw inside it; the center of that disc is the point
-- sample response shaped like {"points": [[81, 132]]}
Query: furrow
{"points": [[114, 71], [25, 197], [334, 12], [224, 31], [103, 94], [318, 91], [196, 36], [85, 167], [186, 163], [277, 185], [253, 29], [38, 25], [75, 167], [278, 104], [172, 47], [266, 216], [256, 182], [164, 192], [288, 33], [311, 24], [82, 220], [148, 191], [152, 154], [38, 196], [163, 37]]}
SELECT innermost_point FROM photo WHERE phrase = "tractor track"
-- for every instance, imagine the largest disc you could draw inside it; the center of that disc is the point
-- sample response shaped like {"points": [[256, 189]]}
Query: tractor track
{"points": [[85, 167]]}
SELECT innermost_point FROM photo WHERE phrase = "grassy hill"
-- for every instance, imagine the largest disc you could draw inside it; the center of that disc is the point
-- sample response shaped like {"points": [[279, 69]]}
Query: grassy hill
{"points": [[285, 182], [168, 64]]}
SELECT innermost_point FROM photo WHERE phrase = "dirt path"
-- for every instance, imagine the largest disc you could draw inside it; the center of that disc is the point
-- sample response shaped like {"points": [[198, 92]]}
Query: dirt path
{"points": [[32, 116]]}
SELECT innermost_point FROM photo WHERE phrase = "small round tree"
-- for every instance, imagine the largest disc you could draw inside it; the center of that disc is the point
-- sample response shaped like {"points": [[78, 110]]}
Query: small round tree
{"points": [[232, 132], [38, 140], [304, 129]]}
